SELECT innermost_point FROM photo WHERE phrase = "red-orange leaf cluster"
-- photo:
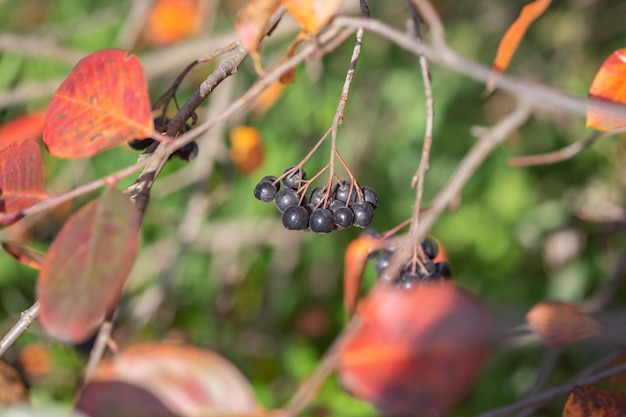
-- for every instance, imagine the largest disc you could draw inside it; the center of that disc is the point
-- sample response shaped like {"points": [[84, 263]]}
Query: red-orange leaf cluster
{"points": [[417, 351], [608, 86], [86, 266], [22, 176], [103, 102]]}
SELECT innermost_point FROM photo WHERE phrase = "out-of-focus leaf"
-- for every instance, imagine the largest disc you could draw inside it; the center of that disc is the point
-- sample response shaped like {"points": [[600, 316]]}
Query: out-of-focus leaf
{"points": [[27, 126], [103, 102], [268, 98], [252, 24], [608, 86], [561, 324], [187, 380], [170, 21], [36, 359], [22, 177], [246, 148], [311, 15], [587, 401], [12, 387], [86, 266], [417, 351], [23, 254], [513, 36]]}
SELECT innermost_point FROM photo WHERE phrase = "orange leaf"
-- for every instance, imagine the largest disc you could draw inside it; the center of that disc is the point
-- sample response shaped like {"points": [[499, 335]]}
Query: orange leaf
{"points": [[268, 98], [86, 266], [187, 380], [513, 36], [103, 102], [170, 21], [311, 15], [608, 86], [28, 126], [252, 24], [590, 401], [416, 362], [21, 176], [23, 254], [561, 324], [246, 148]]}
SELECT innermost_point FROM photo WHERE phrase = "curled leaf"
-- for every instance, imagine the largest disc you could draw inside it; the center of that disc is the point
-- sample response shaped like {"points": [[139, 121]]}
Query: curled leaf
{"points": [[102, 103], [608, 86], [561, 324], [21, 176], [23, 254]]}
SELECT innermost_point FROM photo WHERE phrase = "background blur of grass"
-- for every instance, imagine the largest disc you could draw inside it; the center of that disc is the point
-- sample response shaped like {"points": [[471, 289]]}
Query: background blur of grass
{"points": [[273, 308]]}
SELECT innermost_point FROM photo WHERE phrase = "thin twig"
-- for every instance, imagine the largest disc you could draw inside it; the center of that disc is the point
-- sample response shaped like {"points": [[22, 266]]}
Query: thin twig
{"points": [[102, 340], [134, 24], [26, 319], [544, 371], [428, 12], [556, 156]]}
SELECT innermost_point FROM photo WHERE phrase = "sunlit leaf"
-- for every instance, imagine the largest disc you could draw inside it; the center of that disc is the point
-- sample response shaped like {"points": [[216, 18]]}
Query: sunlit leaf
{"points": [[12, 386], [252, 24], [561, 324], [311, 15], [23, 254], [27, 126], [417, 351], [513, 36], [86, 266], [103, 102], [187, 380], [608, 86], [21, 176], [246, 148], [585, 401], [170, 21]]}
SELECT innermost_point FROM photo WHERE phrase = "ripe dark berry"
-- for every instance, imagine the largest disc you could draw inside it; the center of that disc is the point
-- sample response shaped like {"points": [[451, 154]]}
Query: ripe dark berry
{"points": [[363, 213], [295, 218], [430, 248], [336, 205], [382, 261], [373, 233], [286, 198], [321, 221], [265, 191], [188, 152], [317, 195], [443, 269], [140, 144], [272, 179], [344, 191], [343, 217], [408, 279], [296, 179], [370, 196]]}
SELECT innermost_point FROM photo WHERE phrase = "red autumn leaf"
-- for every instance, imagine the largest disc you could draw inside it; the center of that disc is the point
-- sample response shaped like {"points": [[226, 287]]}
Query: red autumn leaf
{"points": [[103, 102], [587, 401], [417, 351], [28, 126], [187, 380], [86, 266], [311, 15], [170, 21], [561, 324], [23, 254], [252, 23], [22, 176], [608, 86], [513, 36], [246, 148]]}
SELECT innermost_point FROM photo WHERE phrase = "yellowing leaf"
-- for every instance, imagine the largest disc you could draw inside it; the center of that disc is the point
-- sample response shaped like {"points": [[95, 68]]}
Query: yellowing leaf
{"points": [[561, 324], [311, 15], [246, 148], [608, 86], [513, 36]]}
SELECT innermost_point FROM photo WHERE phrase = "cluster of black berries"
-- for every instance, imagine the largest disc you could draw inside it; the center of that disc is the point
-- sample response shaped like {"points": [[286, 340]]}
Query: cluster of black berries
{"points": [[412, 273], [187, 152], [347, 205]]}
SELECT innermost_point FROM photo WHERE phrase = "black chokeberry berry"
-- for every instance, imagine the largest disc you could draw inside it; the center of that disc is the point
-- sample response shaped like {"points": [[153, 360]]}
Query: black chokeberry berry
{"points": [[343, 217], [272, 179], [140, 144], [317, 195], [443, 269], [296, 179], [363, 213], [265, 191], [295, 218], [408, 279], [344, 191], [373, 233], [286, 198], [336, 205], [430, 248], [321, 221], [382, 261], [369, 195], [187, 152]]}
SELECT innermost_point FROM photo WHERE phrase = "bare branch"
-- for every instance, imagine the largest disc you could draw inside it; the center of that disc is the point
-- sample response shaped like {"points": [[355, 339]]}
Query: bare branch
{"points": [[102, 339], [556, 156], [26, 319]]}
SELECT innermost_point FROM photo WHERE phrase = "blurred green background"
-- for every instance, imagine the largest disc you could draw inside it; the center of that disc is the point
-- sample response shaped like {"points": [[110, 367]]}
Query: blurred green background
{"points": [[270, 300]]}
